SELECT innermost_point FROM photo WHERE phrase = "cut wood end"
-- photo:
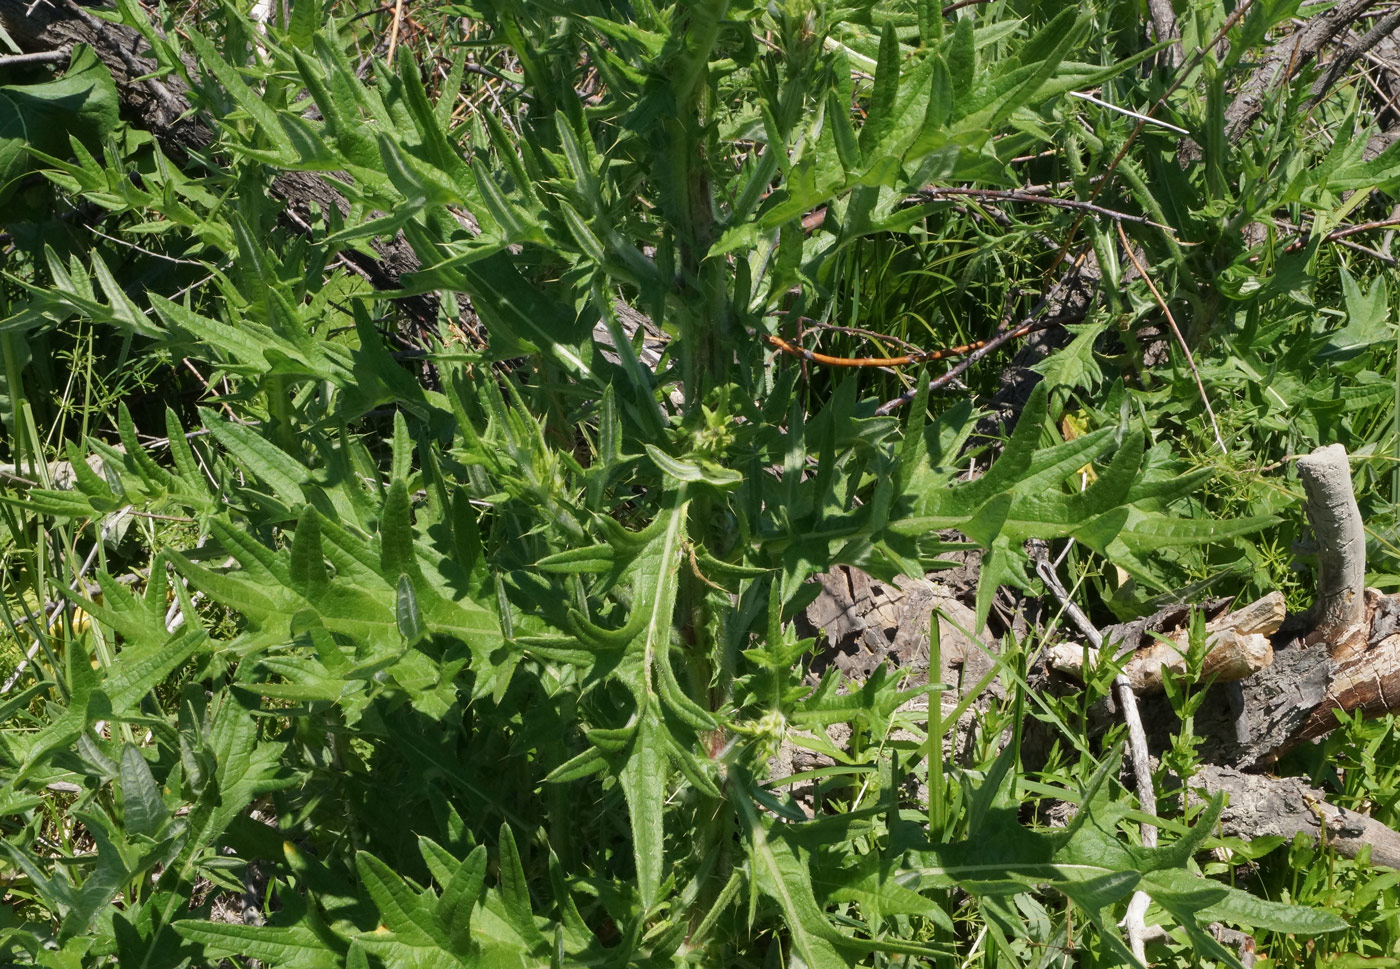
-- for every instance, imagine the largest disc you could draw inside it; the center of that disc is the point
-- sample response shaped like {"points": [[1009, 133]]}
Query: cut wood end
{"points": [[1069, 658], [1340, 613], [1264, 616], [1238, 646], [1328, 456]]}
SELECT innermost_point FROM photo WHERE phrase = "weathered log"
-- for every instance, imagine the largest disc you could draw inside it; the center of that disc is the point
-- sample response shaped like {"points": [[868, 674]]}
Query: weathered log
{"points": [[1252, 724], [1261, 806], [1369, 682]]}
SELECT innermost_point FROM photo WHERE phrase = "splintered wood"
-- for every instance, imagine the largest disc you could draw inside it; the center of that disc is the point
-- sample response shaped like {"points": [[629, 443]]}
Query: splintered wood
{"points": [[1238, 645], [1368, 682]]}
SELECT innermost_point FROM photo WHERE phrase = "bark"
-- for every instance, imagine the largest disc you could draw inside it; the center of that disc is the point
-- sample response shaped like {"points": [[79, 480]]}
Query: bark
{"points": [[1368, 683], [1164, 26], [1250, 724], [1262, 806], [1340, 612], [1343, 60], [157, 104], [1285, 59]]}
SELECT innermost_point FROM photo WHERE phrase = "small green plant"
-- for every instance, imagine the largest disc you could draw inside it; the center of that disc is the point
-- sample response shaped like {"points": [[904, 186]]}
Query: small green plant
{"points": [[1186, 691]]}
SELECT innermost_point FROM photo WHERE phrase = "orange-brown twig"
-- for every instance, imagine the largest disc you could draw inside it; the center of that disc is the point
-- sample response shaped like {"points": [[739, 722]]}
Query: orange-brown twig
{"points": [[908, 359], [1181, 340]]}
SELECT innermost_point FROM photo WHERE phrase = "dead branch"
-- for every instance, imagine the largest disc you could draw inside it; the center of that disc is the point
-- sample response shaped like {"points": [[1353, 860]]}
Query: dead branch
{"points": [[1238, 646], [1134, 924], [1164, 26], [1340, 612], [1350, 54], [1369, 683], [1262, 806], [1285, 59]]}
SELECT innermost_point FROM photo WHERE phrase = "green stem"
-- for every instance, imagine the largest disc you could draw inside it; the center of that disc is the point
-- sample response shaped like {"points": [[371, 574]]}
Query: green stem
{"points": [[279, 408], [20, 446], [702, 303]]}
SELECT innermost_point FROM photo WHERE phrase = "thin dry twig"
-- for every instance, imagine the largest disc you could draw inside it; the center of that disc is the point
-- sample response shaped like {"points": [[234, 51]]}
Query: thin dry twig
{"points": [[1340, 237], [807, 323], [1348, 56], [1129, 113], [1134, 923], [1375, 254], [39, 57], [1014, 195], [394, 30], [212, 392], [1171, 321], [1351, 230]]}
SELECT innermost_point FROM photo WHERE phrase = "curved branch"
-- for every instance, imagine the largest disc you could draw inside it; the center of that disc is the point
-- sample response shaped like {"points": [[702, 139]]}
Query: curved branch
{"points": [[1340, 612]]}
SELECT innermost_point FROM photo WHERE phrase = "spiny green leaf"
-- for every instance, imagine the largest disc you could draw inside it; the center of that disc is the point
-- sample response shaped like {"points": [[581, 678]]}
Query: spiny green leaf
{"points": [[278, 469], [181, 453], [843, 132], [230, 589], [591, 558], [294, 946], [515, 895], [1074, 366], [1148, 533], [262, 113], [644, 777], [406, 611], [461, 894], [675, 698], [308, 573], [781, 876], [598, 637], [260, 564], [591, 761], [402, 910], [880, 118], [43, 501], [426, 122], [961, 56], [402, 464], [697, 471], [396, 555]]}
